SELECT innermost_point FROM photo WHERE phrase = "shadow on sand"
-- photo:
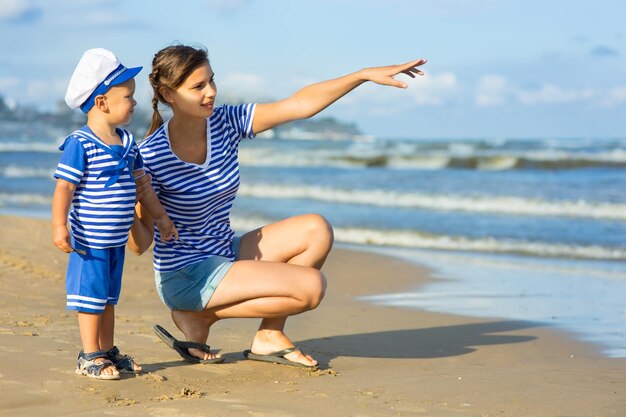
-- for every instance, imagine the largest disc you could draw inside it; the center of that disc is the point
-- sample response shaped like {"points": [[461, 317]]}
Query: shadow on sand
{"points": [[433, 342]]}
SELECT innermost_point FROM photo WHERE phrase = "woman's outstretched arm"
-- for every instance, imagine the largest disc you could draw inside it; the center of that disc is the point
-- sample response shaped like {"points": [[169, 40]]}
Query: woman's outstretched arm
{"points": [[316, 97]]}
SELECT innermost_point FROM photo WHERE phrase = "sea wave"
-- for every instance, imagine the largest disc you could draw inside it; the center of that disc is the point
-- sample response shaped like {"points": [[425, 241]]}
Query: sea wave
{"points": [[29, 147], [422, 240], [24, 199], [486, 204], [409, 238], [433, 160], [418, 161], [435, 155], [21, 171], [412, 239]]}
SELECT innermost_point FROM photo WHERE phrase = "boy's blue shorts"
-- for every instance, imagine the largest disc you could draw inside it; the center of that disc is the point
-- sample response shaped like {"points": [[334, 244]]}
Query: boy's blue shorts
{"points": [[94, 279]]}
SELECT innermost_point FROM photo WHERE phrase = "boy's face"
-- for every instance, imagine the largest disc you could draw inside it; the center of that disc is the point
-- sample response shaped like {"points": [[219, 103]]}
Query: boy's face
{"points": [[121, 103]]}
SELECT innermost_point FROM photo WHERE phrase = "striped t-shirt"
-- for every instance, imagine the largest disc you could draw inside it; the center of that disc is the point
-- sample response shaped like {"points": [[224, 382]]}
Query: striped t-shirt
{"points": [[104, 200], [198, 198]]}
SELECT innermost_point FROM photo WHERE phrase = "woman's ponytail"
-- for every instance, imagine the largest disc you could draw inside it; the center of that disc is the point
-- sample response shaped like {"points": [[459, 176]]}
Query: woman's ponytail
{"points": [[157, 120]]}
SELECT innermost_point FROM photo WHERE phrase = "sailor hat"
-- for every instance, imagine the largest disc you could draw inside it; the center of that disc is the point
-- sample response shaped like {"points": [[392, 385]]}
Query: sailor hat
{"points": [[96, 72]]}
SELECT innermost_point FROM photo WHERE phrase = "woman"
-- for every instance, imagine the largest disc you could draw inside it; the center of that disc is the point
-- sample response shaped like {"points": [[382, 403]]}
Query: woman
{"points": [[208, 274]]}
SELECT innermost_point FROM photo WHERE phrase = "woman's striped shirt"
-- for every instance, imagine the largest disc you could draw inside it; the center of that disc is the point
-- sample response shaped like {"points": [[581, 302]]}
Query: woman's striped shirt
{"points": [[198, 198], [104, 200]]}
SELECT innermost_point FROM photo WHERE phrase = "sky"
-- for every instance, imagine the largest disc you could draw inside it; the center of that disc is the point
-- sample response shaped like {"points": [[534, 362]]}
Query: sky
{"points": [[496, 68]]}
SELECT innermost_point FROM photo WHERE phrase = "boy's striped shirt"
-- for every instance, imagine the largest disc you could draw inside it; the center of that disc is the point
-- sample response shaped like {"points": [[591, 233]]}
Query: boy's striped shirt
{"points": [[101, 213]]}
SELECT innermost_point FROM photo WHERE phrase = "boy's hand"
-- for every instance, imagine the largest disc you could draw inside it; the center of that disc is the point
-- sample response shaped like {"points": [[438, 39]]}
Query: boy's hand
{"points": [[61, 238], [166, 228]]}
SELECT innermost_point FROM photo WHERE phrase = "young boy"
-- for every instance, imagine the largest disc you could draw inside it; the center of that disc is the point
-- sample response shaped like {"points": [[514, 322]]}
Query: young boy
{"points": [[95, 177]]}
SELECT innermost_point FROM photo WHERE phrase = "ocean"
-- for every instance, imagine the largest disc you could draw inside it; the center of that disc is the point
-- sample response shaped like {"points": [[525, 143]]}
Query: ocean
{"points": [[527, 229]]}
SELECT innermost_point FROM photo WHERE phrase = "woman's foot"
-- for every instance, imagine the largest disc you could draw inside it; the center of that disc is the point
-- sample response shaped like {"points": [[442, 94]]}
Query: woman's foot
{"points": [[195, 326], [267, 342]]}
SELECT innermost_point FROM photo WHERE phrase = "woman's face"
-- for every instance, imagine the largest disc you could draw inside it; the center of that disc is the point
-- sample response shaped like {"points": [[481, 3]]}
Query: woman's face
{"points": [[196, 96]]}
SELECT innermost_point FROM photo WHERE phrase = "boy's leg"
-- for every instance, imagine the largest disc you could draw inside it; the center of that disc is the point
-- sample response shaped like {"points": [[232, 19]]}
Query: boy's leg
{"points": [[107, 328], [86, 286], [115, 259], [90, 326]]}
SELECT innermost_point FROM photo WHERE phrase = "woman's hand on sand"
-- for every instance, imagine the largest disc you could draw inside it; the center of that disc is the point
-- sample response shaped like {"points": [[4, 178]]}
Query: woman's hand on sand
{"points": [[385, 75], [61, 238]]}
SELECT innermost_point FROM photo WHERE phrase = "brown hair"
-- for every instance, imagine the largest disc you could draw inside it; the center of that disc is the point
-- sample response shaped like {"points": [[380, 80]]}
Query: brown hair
{"points": [[170, 68]]}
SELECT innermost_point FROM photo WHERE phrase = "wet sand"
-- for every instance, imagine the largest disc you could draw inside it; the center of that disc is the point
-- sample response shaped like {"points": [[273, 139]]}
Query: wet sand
{"points": [[375, 361]]}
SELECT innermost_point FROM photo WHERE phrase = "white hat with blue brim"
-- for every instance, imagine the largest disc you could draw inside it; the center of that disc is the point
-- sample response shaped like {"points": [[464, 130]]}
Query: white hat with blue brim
{"points": [[96, 72]]}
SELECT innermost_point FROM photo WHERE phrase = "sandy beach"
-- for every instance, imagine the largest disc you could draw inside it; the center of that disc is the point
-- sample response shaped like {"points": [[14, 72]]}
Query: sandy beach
{"points": [[375, 361]]}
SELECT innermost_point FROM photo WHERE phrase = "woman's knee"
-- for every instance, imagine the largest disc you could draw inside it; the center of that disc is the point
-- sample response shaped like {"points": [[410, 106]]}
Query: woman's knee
{"points": [[320, 230], [322, 289], [315, 289]]}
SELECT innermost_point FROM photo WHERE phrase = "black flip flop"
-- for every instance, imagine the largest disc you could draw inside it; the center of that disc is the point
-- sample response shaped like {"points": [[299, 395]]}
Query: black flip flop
{"points": [[277, 357], [183, 347]]}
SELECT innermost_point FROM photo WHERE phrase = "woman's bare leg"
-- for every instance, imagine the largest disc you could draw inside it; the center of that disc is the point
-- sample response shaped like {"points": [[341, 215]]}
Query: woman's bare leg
{"points": [[273, 243], [270, 290], [287, 282]]}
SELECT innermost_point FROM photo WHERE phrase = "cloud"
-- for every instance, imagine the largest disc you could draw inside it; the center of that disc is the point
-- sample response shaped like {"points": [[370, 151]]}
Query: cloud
{"points": [[431, 90], [18, 11], [243, 85], [35, 91], [92, 14], [615, 97], [8, 83], [436, 89], [603, 51], [551, 94], [54, 88], [492, 90], [496, 90]]}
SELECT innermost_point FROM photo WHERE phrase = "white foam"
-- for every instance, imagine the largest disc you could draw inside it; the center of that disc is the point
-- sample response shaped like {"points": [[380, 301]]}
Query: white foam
{"points": [[433, 156], [24, 199], [29, 147], [16, 171], [413, 239], [420, 240], [487, 204], [428, 162]]}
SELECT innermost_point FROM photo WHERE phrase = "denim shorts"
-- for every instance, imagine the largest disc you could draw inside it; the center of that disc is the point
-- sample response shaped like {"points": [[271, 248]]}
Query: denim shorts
{"points": [[191, 287]]}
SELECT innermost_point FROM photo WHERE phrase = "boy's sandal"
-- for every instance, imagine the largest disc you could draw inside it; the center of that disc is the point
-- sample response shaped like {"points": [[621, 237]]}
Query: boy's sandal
{"points": [[123, 363], [87, 366]]}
